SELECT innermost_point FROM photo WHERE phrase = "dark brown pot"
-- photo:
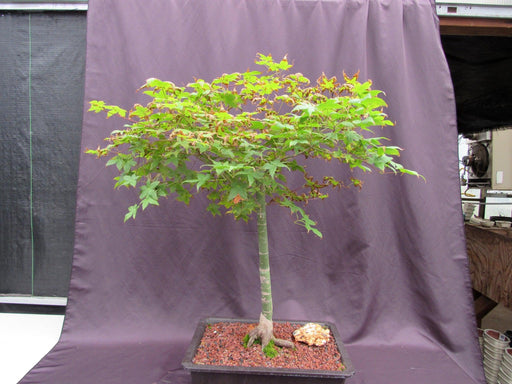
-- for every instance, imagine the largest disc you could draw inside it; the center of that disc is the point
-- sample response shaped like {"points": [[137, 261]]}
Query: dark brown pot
{"points": [[213, 374]]}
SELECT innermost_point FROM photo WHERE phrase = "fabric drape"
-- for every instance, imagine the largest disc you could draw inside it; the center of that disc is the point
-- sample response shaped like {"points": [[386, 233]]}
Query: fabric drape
{"points": [[391, 271]]}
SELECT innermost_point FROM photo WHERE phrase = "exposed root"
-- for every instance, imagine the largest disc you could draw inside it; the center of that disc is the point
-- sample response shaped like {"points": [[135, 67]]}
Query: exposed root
{"points": [[264, 331], [283, 343]]}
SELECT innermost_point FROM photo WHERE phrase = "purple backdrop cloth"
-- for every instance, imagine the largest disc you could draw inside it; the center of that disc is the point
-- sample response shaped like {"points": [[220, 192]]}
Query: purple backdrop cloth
{"points": [[391, 271]]}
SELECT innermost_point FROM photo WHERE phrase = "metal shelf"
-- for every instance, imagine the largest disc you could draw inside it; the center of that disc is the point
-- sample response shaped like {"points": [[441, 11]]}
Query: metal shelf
{"points": [[33, 300], [29, 5], [501, 9]]}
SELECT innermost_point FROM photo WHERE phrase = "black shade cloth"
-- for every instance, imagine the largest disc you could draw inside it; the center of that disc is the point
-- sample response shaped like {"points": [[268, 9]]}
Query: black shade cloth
{"points": [[482, 78], [391, 271], [42, 61]]}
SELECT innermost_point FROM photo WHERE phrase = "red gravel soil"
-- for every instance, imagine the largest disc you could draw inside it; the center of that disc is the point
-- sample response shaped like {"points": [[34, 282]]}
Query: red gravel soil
{"points": [[222, 344]]}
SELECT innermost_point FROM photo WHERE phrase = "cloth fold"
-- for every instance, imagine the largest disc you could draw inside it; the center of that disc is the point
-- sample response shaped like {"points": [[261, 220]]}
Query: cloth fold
{"points": [[391, 270]]}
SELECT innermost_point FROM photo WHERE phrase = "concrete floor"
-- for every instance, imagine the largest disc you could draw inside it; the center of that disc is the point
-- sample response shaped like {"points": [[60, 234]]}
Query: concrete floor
{"points": [[26, 338], [500, 319]]}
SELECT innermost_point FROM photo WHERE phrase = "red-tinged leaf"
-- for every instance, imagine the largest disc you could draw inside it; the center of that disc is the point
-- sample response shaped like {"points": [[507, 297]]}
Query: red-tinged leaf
{"points": [[237, 199]]}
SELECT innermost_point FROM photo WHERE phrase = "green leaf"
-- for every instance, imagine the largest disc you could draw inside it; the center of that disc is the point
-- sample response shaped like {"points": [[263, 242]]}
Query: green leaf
{"points": [[273, 166], [128, 165], [317, 232], [392, 151], [113, 161], [213, 209], [409, 172], [373, 102], [351, 136], [237, 189], [230, 99], [148, 191], [115, 110], [132, 212], [127, 180], [97, 106], [149, 200], [202, 178], [306, 107], [251, 175], [381, 161], [183, 195], [328, 106]]}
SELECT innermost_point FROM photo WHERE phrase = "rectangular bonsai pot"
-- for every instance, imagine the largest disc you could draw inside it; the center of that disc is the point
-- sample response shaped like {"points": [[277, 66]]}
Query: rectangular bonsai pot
{"points": [[215, 374]]}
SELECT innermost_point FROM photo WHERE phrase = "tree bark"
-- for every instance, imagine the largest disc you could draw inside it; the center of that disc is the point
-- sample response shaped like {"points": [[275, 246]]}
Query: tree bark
{"points": [[265, 329], [266, 285]]}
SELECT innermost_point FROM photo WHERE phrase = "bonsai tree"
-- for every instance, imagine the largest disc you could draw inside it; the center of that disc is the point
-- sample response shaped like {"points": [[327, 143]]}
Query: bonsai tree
{"points": [[239, 138]]}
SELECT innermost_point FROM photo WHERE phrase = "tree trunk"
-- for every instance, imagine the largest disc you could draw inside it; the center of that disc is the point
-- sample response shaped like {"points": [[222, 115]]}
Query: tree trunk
{"points": [[264, 331], [266, 285]]}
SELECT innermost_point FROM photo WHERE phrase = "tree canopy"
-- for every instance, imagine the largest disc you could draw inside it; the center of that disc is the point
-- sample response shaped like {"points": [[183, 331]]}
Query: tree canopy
{"points": [[244, 134]]}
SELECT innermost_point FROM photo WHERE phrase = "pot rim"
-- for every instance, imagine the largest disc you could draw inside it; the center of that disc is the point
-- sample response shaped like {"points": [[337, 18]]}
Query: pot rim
{"points": [[196, 340]]}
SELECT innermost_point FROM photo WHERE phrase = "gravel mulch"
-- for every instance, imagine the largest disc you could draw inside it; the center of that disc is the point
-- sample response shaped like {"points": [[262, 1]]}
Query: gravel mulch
{"points": [[222, 344]]}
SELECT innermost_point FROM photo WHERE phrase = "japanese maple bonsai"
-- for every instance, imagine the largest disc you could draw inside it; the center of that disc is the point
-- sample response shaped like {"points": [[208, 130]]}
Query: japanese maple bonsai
{"points": [[249, 132]]}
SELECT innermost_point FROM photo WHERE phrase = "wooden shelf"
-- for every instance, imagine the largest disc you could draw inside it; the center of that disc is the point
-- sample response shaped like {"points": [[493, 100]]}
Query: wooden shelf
{"points": [[474, 26], [490, 262]]}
